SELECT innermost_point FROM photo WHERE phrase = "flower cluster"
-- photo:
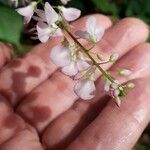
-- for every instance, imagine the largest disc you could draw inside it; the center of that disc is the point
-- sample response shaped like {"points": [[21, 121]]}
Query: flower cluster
{"points": [[74, 59]]}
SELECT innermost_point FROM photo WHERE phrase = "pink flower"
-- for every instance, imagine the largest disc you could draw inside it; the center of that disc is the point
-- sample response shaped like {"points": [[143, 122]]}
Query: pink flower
{"points": [[49, 29], [85, 89], [94, 33], [69, 59], [27, 11], [70, 14]]}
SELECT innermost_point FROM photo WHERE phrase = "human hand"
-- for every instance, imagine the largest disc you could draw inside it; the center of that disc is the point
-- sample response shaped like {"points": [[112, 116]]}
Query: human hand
{"points": [[39, 110]]}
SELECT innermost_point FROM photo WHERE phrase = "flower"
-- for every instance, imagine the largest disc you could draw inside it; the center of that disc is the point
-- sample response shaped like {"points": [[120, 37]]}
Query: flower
{"points": [[85, 87], [49, 29], [27, 11], [94, 33], [70, 14], [115, 89], [69, 58], [65, 1]]}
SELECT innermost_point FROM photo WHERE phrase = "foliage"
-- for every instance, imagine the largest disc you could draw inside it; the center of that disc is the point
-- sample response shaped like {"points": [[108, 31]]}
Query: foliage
{"points": [[11, 25]]}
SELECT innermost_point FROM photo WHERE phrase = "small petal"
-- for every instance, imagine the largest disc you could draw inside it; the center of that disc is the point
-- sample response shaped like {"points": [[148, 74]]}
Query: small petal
{"points": [[107, 86], [82, 65], [116, 93], [99, 32], [70, 14], [82, 34], [85, 89], [40, 15], [64, 1], [27, 11], [60, 55], [43, 32], [71, 69], [96, 32], [50, 13], [91, 25]]}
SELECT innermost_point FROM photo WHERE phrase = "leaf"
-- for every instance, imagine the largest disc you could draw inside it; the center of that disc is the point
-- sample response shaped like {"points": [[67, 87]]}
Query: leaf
{"points": [[106, 6], [11, 24]]}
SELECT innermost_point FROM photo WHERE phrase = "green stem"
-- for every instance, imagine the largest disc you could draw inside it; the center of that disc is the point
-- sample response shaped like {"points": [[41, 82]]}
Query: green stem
{"points": [[87, 53]]}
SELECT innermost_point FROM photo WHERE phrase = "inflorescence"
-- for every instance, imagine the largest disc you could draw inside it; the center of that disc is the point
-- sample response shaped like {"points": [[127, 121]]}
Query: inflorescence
{"points": [[74, 59]]}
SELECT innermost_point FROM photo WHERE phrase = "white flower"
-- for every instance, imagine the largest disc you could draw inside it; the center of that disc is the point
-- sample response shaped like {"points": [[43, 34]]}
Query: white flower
{"points": [[49, 29], [70, 14], [69, 59], [94, 32], [27, 11], [65, 1], [85, 89]]}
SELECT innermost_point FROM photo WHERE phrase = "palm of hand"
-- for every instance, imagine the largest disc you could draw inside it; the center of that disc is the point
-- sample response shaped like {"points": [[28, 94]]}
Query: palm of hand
{"points": [[38, 109]]}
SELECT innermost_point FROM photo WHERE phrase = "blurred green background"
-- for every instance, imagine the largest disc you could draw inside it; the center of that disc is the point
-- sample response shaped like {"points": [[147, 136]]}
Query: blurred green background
{"points": [[116, 8]]}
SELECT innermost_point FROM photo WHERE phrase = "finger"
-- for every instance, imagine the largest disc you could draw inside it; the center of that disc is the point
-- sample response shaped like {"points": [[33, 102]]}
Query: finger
{"points": [[26, 139], [5, 54], [32, 105], [70, 124], [9, 122], [118, 128], [14, 132], [60, 97], [22, 75]]}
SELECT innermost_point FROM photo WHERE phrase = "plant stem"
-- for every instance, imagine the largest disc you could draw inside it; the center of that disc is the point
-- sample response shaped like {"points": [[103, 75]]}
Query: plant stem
{"points": [[87, 53]]}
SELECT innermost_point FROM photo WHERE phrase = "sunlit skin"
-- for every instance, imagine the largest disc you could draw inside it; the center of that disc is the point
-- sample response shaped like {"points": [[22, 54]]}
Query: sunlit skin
{"points": [[40, 111]]}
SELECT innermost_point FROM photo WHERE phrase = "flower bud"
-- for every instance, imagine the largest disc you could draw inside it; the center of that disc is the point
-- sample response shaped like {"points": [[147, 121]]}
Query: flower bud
{"points": [[130, 85], [124, 72], [114, 57]]}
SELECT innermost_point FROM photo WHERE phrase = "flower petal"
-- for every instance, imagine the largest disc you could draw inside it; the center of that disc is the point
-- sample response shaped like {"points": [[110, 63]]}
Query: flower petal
{"points": [[64, 1], [40, 14], [43, 32], [91, 25], [50, 13], [82, 65], [71, 69], [85, 89], [27, 12], [70, 14], [99, 32], [60, 55], [82, 34]]}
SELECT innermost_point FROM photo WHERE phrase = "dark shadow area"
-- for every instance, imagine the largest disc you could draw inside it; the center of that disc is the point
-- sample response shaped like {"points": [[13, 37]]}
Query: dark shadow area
{"points": [[19, 80], [93, 111]]}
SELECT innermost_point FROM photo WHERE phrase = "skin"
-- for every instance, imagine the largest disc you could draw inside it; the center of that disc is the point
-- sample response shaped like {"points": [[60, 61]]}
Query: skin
{"points": [[39, 110]]}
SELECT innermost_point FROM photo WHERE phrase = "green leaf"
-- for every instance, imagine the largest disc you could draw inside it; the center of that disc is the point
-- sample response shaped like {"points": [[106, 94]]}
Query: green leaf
{"points": [[107, 6], [11, 24]]}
